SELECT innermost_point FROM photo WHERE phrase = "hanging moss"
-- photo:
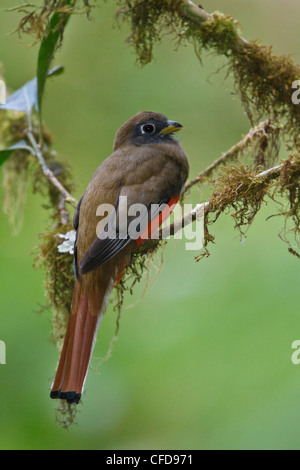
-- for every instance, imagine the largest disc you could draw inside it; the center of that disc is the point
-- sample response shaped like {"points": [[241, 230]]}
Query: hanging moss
{"points": [[22, 167], [35, 21], [262, 79], [59, 279], [135, 272], [147, 22], [240, 191], [15, 177], [288, 187], [237, 187], [66, 413]]}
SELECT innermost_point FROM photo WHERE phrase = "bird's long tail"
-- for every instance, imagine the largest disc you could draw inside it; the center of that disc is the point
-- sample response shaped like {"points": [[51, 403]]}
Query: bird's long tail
{"points": [[85, 318]]}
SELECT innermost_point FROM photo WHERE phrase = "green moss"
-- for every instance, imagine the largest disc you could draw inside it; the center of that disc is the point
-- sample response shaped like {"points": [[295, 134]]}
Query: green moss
{"points": [[288, 187], [262, 79], [239, 191], [59, 279], [65, 414], [220, 33], [238, 188], [35, 21], [135, 272], [264, 82], [22, 167], [15, 177], [147, 22]]}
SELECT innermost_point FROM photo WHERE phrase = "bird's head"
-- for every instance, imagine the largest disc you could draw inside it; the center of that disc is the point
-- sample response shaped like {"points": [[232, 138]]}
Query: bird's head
{"points": [[146, 128]]}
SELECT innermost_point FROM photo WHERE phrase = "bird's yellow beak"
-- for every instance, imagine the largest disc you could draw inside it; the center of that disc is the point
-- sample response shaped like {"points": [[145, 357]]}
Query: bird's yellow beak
{"points": [[172, 126]]}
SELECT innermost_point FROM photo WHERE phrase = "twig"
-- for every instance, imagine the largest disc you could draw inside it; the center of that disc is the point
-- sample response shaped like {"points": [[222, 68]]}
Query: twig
{"points": [[48, 173], [64, 214], [270, 172], [261, 130], [187, 219]]}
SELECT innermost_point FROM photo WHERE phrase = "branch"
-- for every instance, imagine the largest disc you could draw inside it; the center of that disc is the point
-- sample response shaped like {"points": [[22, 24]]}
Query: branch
{"points": [[262, 79], [261, 130], [200, 210], [194, 214], [198, 15], [67, 197]]}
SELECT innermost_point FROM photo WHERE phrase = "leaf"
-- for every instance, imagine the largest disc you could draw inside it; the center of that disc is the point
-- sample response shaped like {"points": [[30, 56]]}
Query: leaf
{"points": [[48, 46], [6, 153], [25, 98]]}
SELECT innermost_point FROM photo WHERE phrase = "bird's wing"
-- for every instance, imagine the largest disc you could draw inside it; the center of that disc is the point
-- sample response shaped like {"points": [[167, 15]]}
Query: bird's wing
{"points": [[120, 231]]}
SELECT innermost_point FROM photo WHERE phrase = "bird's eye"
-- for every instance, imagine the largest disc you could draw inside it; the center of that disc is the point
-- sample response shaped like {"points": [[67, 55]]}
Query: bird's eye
{"points": [[148, 129]]}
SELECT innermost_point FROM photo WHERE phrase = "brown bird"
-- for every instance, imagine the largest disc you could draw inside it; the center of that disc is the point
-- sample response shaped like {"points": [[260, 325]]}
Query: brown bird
{"points": [[149, 167]]}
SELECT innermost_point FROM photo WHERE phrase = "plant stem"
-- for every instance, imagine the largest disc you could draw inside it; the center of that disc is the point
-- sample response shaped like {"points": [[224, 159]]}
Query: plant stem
{"points": [[48, 173], [261, 130]]}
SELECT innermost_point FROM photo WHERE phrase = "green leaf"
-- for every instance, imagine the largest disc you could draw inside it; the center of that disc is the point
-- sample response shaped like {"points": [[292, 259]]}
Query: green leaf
{"points": [[6, 153], [48, 46]]}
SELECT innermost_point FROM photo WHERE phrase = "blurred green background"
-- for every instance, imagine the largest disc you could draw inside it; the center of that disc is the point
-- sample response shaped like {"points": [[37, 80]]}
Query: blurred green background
{"points": [[203, 359]]}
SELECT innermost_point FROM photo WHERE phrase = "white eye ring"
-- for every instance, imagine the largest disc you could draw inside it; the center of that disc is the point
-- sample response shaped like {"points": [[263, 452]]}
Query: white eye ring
{"points": [[148, 128]]}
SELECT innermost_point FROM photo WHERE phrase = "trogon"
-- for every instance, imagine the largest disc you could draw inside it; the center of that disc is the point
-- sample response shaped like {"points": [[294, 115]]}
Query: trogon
{"points": [[149, 167]]}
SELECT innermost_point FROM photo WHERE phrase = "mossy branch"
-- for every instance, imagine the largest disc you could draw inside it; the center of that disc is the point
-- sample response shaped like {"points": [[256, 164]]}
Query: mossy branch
{"points": [[262, 79], [204, 208], [259, 135], [198, 15]]}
